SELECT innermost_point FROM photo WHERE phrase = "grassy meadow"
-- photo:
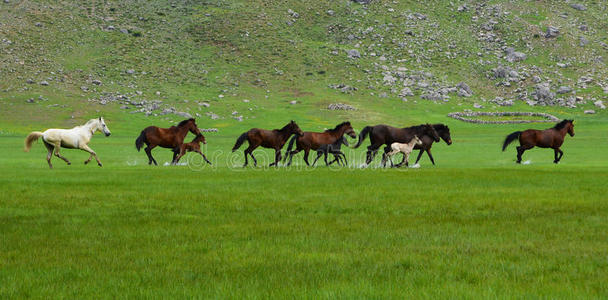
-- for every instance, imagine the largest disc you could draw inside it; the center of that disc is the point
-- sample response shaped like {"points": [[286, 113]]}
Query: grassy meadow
{"points": [[474, 225]]}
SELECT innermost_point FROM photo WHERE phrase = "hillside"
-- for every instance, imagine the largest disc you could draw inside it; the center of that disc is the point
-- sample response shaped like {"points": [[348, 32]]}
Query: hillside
{"points": [[231, 61]]}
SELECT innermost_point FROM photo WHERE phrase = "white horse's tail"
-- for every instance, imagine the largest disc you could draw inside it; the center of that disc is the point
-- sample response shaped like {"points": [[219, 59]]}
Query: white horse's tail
{"points": [[32, 137]]}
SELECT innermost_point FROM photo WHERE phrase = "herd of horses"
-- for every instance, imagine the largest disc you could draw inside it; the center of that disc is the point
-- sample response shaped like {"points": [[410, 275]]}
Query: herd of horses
{"points": [[393, 139]]}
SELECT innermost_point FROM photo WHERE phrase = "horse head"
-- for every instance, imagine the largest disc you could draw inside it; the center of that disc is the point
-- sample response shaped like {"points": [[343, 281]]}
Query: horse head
{"points": [[444, 133], [345, 141], [191, 125], [200, 138], [571, 127], [430, 131], [417, 140], [346, 128], [294, 128], [101, 126]]}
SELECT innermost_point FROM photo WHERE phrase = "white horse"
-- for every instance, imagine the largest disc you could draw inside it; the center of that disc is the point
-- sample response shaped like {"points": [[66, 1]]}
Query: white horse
{"points": [[405, 148], [75, 138]]}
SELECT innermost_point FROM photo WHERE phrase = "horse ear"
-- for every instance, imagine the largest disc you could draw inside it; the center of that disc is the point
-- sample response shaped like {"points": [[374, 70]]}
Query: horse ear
{"points": [[99, 119]]}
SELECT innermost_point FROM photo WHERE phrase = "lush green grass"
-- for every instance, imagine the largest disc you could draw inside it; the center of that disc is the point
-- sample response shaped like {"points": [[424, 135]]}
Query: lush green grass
{"points": [[475, 225]]}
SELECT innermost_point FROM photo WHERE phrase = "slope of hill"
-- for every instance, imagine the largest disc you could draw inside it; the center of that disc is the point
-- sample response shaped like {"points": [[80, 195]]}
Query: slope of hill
{"points": [[227, 61]]}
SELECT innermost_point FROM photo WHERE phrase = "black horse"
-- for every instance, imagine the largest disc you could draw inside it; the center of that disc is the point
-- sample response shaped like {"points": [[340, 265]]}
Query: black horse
{"points": [[427, 141], [386, 135], [334, 149]]}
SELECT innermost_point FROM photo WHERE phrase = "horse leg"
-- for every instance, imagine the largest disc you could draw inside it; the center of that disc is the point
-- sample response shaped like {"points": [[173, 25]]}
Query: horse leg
{"points": [[277, 158], [203, 155], [88, 149], [325, 158], [520, 152], [558, 155], [406, 157], [150, 158], [176, 152], [49, 155], [419, 156], [428, 151], [345, 162], [371, 154], [306, 151], [561, 153], [317, 158], [291, 154], [57, 147], [248, 152]]}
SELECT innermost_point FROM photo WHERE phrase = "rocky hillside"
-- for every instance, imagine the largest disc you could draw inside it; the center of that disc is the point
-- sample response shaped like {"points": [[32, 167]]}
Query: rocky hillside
{"points": [[180, 57]]}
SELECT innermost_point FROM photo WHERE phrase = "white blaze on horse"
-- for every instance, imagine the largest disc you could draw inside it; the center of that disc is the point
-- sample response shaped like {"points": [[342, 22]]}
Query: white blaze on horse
{"points": [[405, 148], [75, 138]]}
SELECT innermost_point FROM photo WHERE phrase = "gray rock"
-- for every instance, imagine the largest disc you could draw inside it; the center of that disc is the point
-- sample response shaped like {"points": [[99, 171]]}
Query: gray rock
{"points": [[30, 100], [578, 6], [130, 71], [238, 118], [353, 53], [30, 81], [564, 90], [96, 82], [589, 112], [406, 91], [110, 27], [38, 24], [600, 104], [340, 106], [463, 90], [44, 82], [293, 102], [125, 31], [543, 94], [477, 105], [551, 32], [514, 56], [583, 41], [330, 12], [212, 116], [463, 8], [125, 107], [205, 104], [583, 27], [536, 79], [84, 88]]}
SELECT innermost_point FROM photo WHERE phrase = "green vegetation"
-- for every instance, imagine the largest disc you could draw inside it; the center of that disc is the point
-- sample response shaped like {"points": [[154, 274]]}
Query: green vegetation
{"points": [[476, 225]]}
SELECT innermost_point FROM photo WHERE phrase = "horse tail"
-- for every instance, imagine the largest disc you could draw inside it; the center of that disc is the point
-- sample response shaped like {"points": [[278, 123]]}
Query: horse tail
{"points": [[240, 141], [139, 142], [362, 135], [290, 146], [33, 136], [510, 138]]}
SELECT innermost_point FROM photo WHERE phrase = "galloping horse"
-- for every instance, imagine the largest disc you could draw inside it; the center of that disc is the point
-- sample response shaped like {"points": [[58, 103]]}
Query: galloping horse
{"points": [[194, 146], [75, 138], [171, 138], [427, 142], [335, 150], [274, 139], [314, 140], [548, 138], [386, 135]]}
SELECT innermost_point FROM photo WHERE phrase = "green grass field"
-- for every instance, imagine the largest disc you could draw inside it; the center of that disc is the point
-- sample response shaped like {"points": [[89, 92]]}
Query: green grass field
{"points": [[475, 225]]}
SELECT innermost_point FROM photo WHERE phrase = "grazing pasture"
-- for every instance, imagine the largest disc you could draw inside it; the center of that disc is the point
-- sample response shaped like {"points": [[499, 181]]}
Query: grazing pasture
{"points": [[474, 225]]}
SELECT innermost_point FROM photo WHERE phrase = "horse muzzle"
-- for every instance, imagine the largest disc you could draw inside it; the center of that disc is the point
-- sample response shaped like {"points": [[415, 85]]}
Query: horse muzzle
{"points": [[107, 133], [449, 142]]}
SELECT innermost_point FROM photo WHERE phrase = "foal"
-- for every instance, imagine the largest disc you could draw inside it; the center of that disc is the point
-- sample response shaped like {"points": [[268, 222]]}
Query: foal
{"points": [[193, 146], [405, 148], [335, 150]]}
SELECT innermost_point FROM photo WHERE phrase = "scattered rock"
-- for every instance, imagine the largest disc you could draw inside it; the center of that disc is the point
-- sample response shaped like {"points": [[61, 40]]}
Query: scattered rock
{"points": [[600, 104], [293, 102], [124, 107], [583, 41], [589, 112], [514, 56], [543, 94], [130, 71], [30, 81], [551, 32], [353, 53], [212, 116], [477, 105], [125, 31], [578, 6], [44, 82], [96, 82], [30, 100], [406, 91], [464, 90], [340, 106], [564, 90]]}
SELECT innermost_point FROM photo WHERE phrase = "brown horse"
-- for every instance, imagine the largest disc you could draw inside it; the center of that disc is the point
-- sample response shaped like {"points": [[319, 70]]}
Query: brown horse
{"points": [[548, 138], [314, 140], [171, 138], [274, 139], [386, 135], [194, 146]]}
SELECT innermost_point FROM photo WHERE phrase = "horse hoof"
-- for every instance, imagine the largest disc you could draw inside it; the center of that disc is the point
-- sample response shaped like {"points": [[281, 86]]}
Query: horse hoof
{"points": [[99, 165], [69, 163]]}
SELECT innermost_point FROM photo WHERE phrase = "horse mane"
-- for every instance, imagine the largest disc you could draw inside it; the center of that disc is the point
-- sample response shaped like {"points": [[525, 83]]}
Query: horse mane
{"points": [[561, 124], [440, 127], [338, 126], [197, 138], [184, 122]]}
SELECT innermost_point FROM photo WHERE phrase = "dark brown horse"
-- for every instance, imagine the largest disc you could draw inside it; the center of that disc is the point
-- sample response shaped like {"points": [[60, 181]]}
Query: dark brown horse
{"points": [[194, 146], [427, 141], [171, 138], [548, 138], [314, 140], [274, 139], [386, 135]]}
